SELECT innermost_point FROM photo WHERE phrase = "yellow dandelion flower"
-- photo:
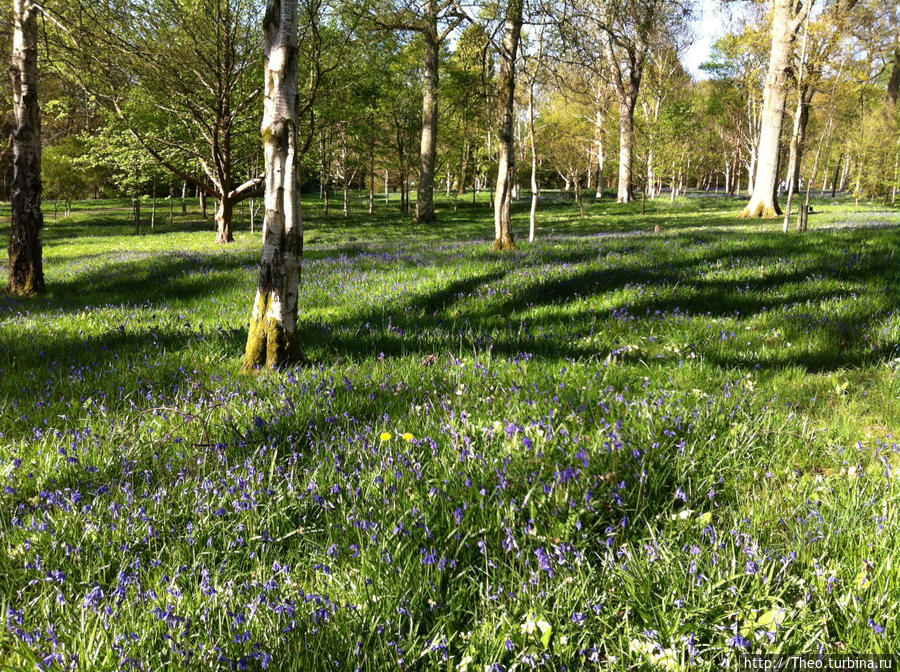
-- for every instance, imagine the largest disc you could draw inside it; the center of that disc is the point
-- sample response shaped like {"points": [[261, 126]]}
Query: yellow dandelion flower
{"points": [[408, 437], [386, 436]]}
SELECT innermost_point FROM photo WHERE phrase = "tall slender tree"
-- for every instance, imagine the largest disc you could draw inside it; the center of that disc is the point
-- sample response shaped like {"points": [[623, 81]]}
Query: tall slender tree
{"points": [[26, 270], [506, 162], [615, 37], [182, 77], [434, 20], [272, 338]]}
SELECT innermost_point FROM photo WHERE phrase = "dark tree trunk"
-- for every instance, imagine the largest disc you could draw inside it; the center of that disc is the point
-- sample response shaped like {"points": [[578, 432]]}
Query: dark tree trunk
{"points": [[372, 178], [506, 163], [834, 182], [224, 216], [463, 170], [893, 88]]}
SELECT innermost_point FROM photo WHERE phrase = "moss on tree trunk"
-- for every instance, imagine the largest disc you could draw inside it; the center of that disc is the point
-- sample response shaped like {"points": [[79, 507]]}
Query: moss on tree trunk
{"points": [[267, 342]]}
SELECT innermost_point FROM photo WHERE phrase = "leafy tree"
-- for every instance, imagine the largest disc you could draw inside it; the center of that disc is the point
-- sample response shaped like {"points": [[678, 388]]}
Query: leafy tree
{"points": [[63, 172], [182, 76]]}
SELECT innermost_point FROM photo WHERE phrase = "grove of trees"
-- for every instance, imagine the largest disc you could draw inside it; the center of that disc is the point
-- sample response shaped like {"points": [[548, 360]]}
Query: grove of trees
{"points": [[142, 98]]}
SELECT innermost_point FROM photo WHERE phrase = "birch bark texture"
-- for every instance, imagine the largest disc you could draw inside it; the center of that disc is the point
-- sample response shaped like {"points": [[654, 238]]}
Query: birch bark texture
{"points": [[272, 338], [428, 147], [787, 17], [506, 162], [26, 271]]}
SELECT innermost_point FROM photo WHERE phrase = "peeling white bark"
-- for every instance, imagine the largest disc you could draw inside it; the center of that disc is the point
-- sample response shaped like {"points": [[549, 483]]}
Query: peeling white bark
{"points": [[273, 325]]}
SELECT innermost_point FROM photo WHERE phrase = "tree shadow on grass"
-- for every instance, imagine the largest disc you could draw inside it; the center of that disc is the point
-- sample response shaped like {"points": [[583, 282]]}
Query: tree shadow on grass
{"points": [[429, 322], [433, 321]]}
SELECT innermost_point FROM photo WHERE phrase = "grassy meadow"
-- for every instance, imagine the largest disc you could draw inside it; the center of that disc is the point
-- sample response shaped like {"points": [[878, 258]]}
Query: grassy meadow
{"points": [[610, 449]]}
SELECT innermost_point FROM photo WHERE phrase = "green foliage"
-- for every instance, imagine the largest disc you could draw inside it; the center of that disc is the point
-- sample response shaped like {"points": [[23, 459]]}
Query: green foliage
{"points": [[114, 150], [63, 170]]}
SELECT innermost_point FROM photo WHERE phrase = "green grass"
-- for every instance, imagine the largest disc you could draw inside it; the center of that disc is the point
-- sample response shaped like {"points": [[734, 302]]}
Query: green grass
{"points": [[624, 447]]}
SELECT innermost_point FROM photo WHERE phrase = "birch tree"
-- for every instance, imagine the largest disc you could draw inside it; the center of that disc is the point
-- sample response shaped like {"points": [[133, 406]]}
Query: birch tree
{"points": [[26, 271], [272, 337]]}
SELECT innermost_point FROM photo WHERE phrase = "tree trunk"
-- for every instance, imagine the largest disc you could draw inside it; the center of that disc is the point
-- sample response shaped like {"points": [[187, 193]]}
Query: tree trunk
{"points": [[137, 215], [893, 87], [578, 196], [272, 338], [153, 207], [845, 174], [784, 29], [323, 177], [428, 150], [463, 170], [601, 155], [625, 193], [184, 199], [26, 268], [346, 185], [372, 178], [896, 173], [798, 136], [203, 213], [506, 163], [224, 216], [801, 116], [535, 193], [751, 173]]}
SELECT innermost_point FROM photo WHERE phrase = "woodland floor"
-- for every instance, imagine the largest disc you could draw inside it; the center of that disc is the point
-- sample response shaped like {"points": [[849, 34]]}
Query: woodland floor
{"points": [[606, 451]]}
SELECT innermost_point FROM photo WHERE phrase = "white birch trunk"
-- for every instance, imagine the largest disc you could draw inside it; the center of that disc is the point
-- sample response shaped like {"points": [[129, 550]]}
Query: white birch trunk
{"points": [[532, 216], [25, 260], [272, 338]]}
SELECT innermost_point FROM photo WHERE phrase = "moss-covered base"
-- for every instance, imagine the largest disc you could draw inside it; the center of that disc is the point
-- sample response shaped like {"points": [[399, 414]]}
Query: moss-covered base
{"points": [[760, 210], [504, 243], [25, 279], [268, 344]]}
